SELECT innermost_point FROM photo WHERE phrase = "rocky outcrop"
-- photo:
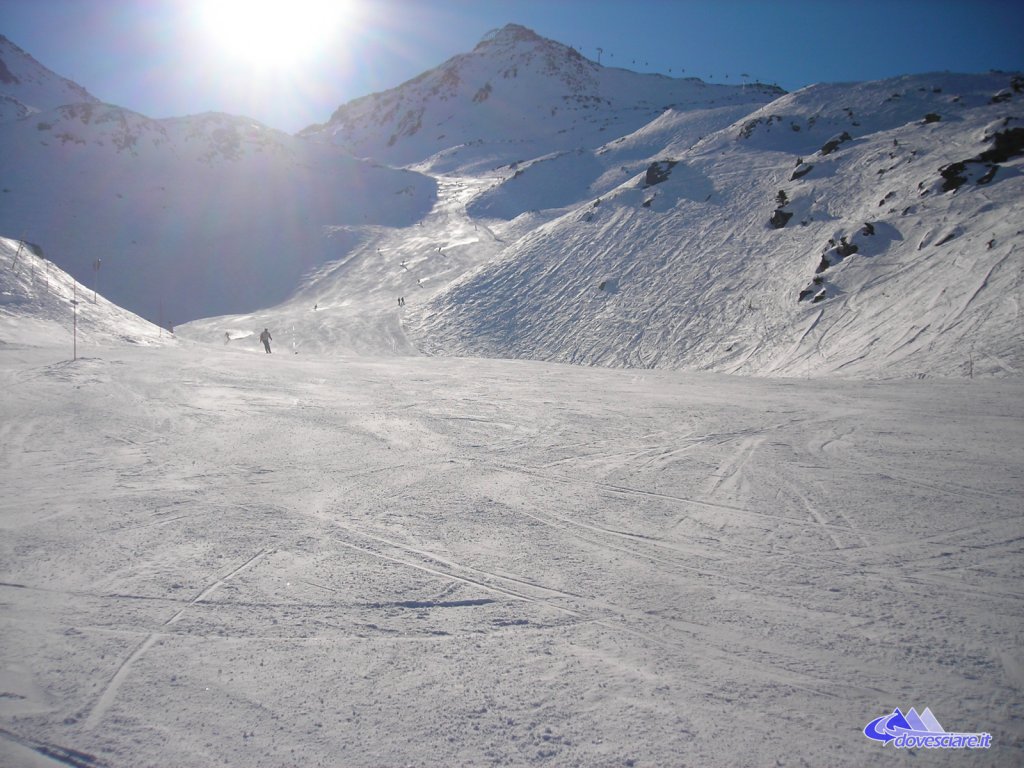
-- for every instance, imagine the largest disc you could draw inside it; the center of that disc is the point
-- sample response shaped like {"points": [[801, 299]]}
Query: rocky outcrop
{"points": [[845, 248], [835, 252], [833, 144], [983, 167], [658, 172], [780, 218], [802, 169]]}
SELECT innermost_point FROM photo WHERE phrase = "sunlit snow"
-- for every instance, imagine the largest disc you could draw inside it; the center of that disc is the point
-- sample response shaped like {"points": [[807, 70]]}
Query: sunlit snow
{"points": [[213, 555], [776, 497]]}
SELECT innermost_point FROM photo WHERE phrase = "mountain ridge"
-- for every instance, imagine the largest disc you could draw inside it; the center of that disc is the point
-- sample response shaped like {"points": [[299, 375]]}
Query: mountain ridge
{"points": [[862, 229], [752, 311], [30, 87], [192, 215], [514, 94]]}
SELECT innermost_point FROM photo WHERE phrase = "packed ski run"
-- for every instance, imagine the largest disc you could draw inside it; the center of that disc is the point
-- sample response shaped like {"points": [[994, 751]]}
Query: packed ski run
{"points": [[215, 557], [352, 305], [211, 555]]}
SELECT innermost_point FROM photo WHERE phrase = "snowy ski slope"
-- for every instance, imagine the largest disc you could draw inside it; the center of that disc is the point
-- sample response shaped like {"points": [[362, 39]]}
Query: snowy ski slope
{"points": [[211, 555]]}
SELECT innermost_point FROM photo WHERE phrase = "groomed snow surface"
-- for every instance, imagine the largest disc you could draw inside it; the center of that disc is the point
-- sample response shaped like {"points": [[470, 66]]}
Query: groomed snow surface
{"points": [[214, 556]]}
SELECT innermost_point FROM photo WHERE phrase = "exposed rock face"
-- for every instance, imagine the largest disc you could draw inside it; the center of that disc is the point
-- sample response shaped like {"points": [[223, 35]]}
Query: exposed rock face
{"points": [[780, 218], [658, 172], [846, 248], [832, 145], [801, 170], [1005, 145], [5, 74]]}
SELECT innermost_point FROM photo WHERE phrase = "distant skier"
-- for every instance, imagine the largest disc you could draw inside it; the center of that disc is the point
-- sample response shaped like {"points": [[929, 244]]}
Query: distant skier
{"points": [[266, 338]]}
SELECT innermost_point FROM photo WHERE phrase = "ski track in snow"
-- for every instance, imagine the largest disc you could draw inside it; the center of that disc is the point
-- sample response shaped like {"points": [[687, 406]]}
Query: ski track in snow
{"points": [[106, 698], [210, 554]]}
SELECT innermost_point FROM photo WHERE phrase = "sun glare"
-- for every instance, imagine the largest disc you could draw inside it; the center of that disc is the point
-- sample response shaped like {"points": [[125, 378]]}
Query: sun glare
{"points": [[272, 33]]}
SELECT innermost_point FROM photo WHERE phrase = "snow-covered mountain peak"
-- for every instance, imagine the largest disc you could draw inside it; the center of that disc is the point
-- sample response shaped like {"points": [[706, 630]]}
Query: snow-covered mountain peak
{"points": [[510, 34], [516, 95], [514, 45]]}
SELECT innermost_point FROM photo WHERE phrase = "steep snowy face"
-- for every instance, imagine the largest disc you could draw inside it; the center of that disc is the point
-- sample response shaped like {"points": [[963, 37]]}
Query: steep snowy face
{"points": [[193, 216], [42, 305], [516, 95], [27, 86], [864, 229]]}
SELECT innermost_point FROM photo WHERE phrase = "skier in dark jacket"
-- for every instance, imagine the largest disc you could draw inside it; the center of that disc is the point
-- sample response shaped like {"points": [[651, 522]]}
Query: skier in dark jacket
{"points": [[266, 338]]}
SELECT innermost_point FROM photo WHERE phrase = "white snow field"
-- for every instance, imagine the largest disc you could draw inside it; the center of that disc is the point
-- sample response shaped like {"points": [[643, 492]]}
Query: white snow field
{"points": [[737, 545], [214, 556]]}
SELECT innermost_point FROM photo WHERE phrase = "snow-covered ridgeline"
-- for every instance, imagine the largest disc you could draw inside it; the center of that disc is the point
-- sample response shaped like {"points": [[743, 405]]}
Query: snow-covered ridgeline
{"points": [[41, 305], [859, 229], [805, 239]]}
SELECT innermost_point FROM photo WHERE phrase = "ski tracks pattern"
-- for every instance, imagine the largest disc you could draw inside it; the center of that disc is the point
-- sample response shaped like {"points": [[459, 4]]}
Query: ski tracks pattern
{"points": [[770, 664], [109, 693]]}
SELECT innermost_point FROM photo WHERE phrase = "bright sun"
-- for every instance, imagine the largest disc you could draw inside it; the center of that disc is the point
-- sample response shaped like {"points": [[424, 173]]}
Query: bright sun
{"points": [[272, 33]]}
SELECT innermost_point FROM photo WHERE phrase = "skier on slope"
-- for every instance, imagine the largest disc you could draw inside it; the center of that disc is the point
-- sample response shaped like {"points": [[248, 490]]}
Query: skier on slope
{"points": [[266, 338]]}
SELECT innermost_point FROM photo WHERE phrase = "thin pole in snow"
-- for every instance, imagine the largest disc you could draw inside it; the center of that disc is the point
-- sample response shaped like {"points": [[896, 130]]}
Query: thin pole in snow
{"points": [[17, 254], [74, 322]]}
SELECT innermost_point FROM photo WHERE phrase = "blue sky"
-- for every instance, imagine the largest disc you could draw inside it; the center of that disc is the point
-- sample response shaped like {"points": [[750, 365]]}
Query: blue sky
{"points": [[165, 59]]}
